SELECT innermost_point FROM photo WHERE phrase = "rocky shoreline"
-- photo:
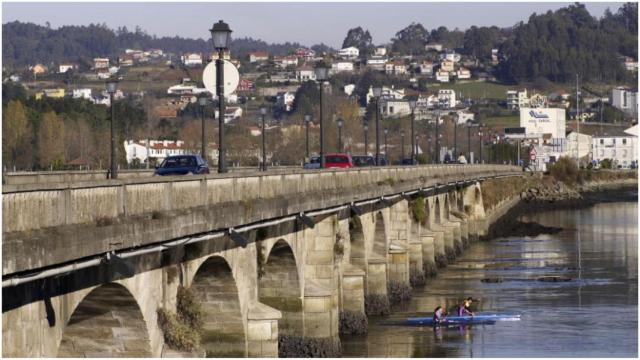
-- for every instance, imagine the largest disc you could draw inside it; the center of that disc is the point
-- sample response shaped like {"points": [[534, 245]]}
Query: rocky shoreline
{"points": [[558, 197]]}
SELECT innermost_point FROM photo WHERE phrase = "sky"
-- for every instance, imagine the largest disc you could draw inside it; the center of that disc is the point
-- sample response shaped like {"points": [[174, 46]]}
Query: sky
{"points": [[307, 23]]}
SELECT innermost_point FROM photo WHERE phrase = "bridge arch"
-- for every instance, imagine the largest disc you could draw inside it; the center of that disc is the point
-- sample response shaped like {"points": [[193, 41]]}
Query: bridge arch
{"points": [[279, 287], [223, 328], [380, 236], [447, 207], [357, 252], [107, 322]]}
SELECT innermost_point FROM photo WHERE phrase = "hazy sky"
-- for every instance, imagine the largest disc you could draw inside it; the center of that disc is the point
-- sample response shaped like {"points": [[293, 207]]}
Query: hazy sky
{"points": [[306, 23]]}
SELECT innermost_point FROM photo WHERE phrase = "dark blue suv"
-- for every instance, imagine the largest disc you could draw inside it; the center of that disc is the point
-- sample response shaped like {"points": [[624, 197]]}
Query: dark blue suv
{"points": [[182, 165]]}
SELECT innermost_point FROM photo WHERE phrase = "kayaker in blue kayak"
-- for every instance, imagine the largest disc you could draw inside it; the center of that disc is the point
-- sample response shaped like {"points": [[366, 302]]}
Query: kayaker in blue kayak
{"points": [[464, 308], [439, 316]]}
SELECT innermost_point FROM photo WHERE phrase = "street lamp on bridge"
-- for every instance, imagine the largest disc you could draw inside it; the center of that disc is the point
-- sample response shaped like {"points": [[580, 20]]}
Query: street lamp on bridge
{"points": [[377, 92], [221, 37], [263, 112], [202, 101], [340, 124], [321, 75], [412, 105], [366, 138], [307, 120], [112, 87]]}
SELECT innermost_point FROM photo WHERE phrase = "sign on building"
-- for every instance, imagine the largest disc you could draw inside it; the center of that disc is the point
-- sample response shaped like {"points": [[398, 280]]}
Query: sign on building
{"points": [[538, 121]]}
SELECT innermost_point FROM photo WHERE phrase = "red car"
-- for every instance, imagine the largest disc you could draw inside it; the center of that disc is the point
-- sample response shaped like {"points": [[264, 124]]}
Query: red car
{"points": [[338, 161]]}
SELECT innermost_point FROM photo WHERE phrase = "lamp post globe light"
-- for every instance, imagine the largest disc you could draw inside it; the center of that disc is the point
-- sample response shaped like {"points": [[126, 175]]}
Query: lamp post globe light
{"points": [[112, 87], [202, 101], [307, 120], [221, 37], [412, 105], [263, 112], [321, 75], [377, 92], [366, 138], [340, 124]]}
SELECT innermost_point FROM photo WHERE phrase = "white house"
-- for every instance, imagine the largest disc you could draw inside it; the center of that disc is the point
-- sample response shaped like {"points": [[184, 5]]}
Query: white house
{"points": [[448, 97], [376, 63], [395, 108], [621, 150], [285, 61], [426, 68], [82, 94], [63, 68], [258, 56], [463, 73], [451, 56], [349, 52], [380, 51], [517, 99], [191, 59], [464, 116], [447, 65], [625, 100], [395, 67], [305, 73], [158, 150], [342, 66], [230, 113], [442, 76], [100, 63], [387, 94], [433, 46], [285, 100], [578, 144]]}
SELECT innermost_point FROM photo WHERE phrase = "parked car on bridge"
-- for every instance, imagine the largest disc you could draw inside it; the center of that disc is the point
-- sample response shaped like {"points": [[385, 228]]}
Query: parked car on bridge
{"points": [[363, 160], [314, 163], [338, 161], [182, 165]]}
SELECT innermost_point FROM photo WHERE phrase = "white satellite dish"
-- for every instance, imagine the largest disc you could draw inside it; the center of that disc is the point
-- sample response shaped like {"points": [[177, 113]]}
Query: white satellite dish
{"points": [[231, 78]]}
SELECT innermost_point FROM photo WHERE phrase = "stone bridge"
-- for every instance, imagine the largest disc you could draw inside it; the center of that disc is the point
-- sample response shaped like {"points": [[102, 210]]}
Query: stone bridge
{"points": [[296, 256]]}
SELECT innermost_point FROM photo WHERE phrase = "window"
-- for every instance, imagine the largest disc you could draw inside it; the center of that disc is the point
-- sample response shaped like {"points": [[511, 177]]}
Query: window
{"points": [[624, 141], [601, 141], [390, 109]]}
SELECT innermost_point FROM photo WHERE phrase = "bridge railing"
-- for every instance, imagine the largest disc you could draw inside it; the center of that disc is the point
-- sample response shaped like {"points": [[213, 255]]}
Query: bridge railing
{"points": [[37, 206]]}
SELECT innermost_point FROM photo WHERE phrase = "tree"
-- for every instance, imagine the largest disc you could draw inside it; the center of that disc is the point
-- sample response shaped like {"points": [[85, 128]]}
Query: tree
{"points": [[359, 38], [410, 40], [16, 134], [51, 141]]}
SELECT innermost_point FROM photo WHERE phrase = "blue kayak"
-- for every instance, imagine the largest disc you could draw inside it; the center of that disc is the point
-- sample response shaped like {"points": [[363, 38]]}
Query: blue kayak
{"points": [[452, 320]]}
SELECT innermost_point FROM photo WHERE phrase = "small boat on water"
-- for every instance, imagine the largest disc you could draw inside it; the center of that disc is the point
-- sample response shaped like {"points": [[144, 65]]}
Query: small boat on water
{"points": [[453, 320]]}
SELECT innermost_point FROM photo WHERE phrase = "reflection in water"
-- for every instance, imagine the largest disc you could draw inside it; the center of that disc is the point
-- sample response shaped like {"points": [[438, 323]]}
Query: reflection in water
{"points": [[594, 314]]}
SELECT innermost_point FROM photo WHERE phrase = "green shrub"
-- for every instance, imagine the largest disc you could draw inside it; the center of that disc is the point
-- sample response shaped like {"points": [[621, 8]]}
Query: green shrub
{"points": [[417, 210], [177, 335], [189, 308]]}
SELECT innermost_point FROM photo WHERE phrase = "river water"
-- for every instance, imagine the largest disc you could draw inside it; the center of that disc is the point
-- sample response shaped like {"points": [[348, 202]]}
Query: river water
{"points": [[595, 314]]}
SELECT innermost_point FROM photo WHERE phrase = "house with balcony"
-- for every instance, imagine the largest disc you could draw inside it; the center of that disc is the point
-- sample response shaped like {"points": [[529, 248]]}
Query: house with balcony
{"points": [[447, 65], [100, 63], [349, 53], [63, 68], [284, 62], [376, 63], [442, 76], [191, 59], [305, 73], [517, 99]]}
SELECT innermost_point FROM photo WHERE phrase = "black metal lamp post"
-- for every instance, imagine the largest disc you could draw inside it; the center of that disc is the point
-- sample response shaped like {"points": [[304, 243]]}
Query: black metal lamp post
{"points": [[202, 101], [386, 149], [321, 76], [437, 137], [340, 124], [429, 148], [401, 145], [412, 105], [112, 87], [481, 141], [376, 93], [366, 139], [221, 36], [455, 137], [263, 112], [307, 120]]}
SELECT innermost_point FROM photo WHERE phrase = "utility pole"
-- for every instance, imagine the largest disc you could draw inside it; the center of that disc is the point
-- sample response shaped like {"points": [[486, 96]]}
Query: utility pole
{"points": [[577, 122]]}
